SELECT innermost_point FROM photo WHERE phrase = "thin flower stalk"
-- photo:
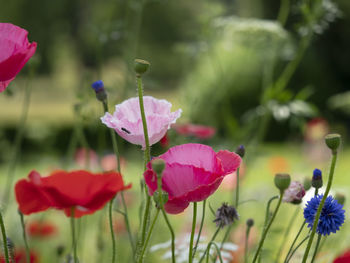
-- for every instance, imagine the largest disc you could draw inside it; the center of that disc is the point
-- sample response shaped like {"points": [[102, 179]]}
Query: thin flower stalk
{"points": [[261, 243], [294, 241], [4, 239], [296, 248], [74, 241], [194, 218], [25, 237], [200, 228], [212, 243], [208, 246], [316, 247], [318, 214]]}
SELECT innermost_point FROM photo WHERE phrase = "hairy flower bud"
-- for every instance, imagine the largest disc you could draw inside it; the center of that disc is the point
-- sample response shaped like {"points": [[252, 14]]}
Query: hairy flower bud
{"points": [[158, 165], [294, 193], [282, 181], [250, 222], [100, 91], [240, 151], [225, 215]]}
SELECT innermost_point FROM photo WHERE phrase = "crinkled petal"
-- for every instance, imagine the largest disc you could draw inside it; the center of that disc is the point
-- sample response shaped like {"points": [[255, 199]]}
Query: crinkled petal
{"points": [[230, 161]]}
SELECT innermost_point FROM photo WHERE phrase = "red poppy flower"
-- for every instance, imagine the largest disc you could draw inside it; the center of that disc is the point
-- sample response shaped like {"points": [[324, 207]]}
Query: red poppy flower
{"points": [[82, 161], [20, 257], [199, 131], [15, 51], [164, 142], [41, 229], [84, 191], [193, 172], [344, 258]]}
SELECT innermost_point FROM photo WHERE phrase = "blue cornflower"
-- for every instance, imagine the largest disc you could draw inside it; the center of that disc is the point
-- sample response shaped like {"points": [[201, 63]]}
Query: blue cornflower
{"points": [[332, 214]]}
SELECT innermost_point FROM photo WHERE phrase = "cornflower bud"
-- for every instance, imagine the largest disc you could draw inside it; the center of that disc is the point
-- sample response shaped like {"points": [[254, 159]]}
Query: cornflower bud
{"points": [[317, 181], [100, 91], [240, 151], [250, 222], [225, 215]]}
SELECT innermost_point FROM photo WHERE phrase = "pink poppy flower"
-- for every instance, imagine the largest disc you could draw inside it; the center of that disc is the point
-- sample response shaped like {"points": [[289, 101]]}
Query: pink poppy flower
{"points": [[127, 122], [15, 51], [193, 172], [199, 131]]}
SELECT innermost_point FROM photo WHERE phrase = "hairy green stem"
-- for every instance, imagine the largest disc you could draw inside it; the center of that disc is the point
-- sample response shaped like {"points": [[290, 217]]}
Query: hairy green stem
{"points": [[211, 241], [4, 238], [173, 260], [286, 234], [283, 12], [267, 213], [246, 244], [261, 243], [74, 241], [237, 188], [316, 248], [140, 260], [320, 207], [194, 218], [200, 228], [296, 248], [294, 241], [24, 233], [110, 216]]}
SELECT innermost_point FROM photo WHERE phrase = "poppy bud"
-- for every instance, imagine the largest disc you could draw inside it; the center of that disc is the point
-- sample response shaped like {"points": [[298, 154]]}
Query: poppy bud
{"points": [[282, 181], [250, 222], [141, 66], [340, 198], [160, 199], [307, 183], [158, 166], [317, 181], [240, 151], [100, 91], [333, 141], [59, 250]]}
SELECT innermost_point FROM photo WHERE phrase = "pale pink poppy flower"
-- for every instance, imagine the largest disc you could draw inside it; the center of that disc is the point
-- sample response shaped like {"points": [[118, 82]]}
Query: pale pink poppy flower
{"points": [[127, 122], [15, 51], [294, 193], [193, 172]]}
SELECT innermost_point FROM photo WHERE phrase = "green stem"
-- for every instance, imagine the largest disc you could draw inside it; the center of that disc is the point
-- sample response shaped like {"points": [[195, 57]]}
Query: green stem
{"points": [[267, 213], [237, 188], [320, 207], [246, 244], [267, 228], [200, 228], [217, 251], [294, 241], [4, 238], [296, 248], [140, 260], [125, 214], [172, 235], [316, 248], [286, 233], [283, 12], [17, 144], [110, 214], [74, 243], [211, 241], [24, 233], [194, 218]]}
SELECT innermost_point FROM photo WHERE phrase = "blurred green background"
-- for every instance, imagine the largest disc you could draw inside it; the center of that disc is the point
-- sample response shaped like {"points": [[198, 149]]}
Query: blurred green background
{"points": [[242, 66]]}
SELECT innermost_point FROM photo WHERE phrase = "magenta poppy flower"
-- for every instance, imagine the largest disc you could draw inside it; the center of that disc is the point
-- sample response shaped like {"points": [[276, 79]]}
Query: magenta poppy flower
{"points": [[15, 51], [127, 122], [193, 172]]}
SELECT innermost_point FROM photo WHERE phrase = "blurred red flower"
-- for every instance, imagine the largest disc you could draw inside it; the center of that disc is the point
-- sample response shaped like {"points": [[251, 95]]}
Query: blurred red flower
{"points": [[109, 163], [85, 191], [15, 51], [199, 131], [41, 229], [164, 142], [316, 129], [344, 258], [20, 257]]}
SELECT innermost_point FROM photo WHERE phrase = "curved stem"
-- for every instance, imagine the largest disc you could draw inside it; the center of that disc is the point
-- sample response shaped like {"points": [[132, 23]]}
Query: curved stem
{"points": [[211, 240], [316, 248], [140, 260], [200, 229], [4, 238], [283, 12], [320, 207], [246, 244], [74, 241], [110, 217], [267, 228], [296, 248], [24, 237], [217, 251], [286, 233], [172, 233], [194, 217], [294, 241], [267, 213]]}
